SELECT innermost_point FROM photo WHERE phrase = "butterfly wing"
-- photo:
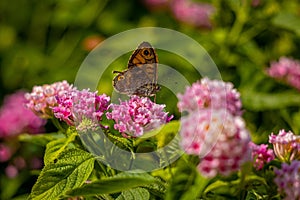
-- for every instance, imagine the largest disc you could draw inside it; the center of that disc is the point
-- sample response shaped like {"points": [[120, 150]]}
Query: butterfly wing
{"points": [[141, 76], [129, 81], [145, 58]]}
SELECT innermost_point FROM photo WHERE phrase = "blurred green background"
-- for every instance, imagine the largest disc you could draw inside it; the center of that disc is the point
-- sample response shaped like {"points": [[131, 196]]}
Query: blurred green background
{"points": [[43, 42], [46, 41]]}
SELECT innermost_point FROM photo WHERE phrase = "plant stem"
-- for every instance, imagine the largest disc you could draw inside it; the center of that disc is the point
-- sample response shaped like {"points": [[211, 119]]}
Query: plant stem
{"points": [[58, 125]]}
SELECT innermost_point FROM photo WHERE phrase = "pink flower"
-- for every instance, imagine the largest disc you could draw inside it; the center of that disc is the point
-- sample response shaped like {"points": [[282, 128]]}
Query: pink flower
{"points": [[16, 119], [5, 153], [218, 138], [210, 94], [42, 98], [137, 115], [76, 106], [286, 145], [19, 162], [255, 3], [36, 163], [288, 180], [196, 14], [11, 171], [286, 69], [261, 155]]}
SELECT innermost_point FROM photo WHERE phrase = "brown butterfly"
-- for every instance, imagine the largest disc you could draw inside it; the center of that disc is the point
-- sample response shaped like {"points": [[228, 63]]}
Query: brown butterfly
{"points": [[141, 76]]}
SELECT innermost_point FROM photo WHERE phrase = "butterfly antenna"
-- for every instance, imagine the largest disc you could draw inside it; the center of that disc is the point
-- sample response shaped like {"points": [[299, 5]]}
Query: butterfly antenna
{"points": [[114, 72]]}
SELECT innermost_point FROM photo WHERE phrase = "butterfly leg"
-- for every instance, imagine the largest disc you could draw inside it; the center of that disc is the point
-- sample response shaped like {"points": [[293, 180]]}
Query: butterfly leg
{"points": [[114, 72]]}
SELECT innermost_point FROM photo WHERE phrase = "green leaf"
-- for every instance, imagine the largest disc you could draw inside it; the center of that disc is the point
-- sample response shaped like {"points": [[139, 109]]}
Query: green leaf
{"points": [[121, 141], [288, 21], [134, 194], [264, 101], [157, 188], [234, 188], [296, 122], [56, 147], [186, 183], [220, 188], [253, 195], [167, 138], [21, 197], [121, 182], [71, 170], [171, 126], [164, 134], [11, 186], [167, 133], [40, 139]]}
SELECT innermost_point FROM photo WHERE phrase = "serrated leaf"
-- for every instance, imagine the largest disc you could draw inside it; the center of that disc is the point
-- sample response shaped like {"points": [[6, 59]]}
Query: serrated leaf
{"points": [[56, 147], [71, 170], [121, 141], [134, 194], [158, 188], [121, 182], [53, 149]]}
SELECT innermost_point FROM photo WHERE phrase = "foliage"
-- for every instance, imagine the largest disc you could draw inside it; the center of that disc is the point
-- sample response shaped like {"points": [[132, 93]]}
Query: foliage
{"points": [[47, 41]]}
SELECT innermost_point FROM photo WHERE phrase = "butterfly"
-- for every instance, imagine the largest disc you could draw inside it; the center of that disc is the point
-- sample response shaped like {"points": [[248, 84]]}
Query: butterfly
{"points": [[141, 76]]}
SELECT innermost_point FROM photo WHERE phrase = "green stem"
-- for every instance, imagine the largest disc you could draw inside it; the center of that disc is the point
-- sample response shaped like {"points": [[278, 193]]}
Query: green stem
{"points": [[103, 168], [286, 116], [245, 168], [58, 125], [251, 33], [169, 166], [241, 18]]}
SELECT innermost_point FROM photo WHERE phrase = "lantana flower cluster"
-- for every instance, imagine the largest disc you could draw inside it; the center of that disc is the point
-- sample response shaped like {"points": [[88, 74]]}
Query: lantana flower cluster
{"points": [[286, 145], [43, 98], [287, 70], [74, 107], [15, 119], [137, 116], [84, 109], [286, 149], [193, 13], [261, 155], [68, 104], [288, 180], [197, 14], [211, 94], [213, 128]]}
